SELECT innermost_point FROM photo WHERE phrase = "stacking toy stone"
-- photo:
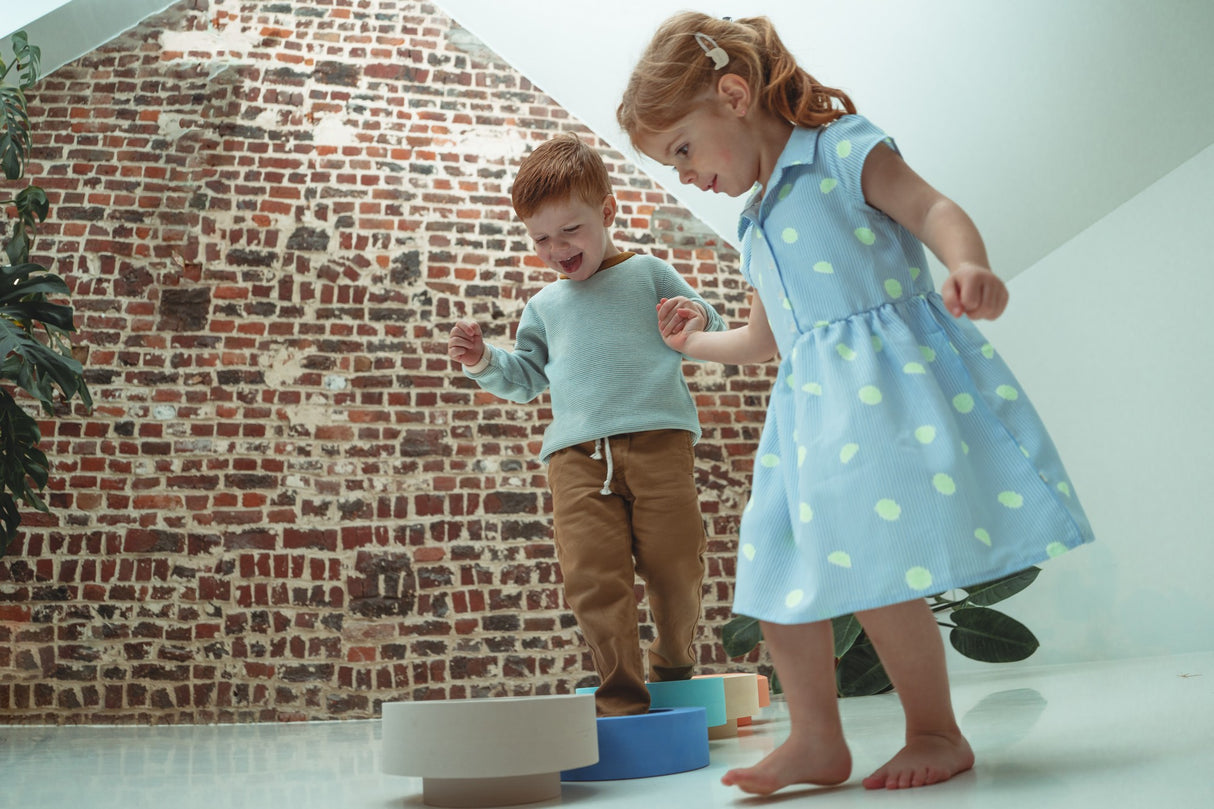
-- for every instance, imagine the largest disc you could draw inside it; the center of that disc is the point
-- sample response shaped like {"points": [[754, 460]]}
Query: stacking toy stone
{"points": [[741, 699], [707, 693], [489, 752], [764, 699], [661, 742]]}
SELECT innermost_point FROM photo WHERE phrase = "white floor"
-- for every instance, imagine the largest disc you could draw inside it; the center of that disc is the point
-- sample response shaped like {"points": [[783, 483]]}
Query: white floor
{"points": [[1133, 733]]}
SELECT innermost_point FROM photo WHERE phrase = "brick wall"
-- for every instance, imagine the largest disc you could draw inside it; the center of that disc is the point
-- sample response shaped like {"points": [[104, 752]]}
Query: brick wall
{"points": [[286, 504]]}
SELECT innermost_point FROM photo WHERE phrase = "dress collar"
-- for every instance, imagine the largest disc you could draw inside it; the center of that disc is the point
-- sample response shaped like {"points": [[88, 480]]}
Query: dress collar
{"points": [[798, 152]]}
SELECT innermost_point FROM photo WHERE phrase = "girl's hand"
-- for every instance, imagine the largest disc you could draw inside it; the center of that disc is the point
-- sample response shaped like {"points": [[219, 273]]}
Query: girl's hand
{"points": [[678, 319], [466, 345], [976, 292]]}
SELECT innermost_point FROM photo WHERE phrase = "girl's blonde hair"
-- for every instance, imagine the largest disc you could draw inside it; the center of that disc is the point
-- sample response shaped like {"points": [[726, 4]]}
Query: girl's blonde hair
{"points": [[674, 73]]}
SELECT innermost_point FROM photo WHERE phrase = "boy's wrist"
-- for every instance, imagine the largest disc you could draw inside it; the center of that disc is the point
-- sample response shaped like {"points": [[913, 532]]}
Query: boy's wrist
{"points": [[479, 365]]}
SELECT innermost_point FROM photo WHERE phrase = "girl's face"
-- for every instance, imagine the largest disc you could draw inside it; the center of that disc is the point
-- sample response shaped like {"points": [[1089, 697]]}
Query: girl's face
{"points": [[708, 150], [717, 147]]}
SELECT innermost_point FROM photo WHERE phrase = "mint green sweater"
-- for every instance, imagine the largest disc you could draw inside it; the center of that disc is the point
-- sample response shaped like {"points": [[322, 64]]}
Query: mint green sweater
{"points": [[595, 344]]}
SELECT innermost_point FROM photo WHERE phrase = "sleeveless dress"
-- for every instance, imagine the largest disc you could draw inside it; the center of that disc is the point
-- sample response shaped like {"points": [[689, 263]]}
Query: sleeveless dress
{"points": [[900, 457]]}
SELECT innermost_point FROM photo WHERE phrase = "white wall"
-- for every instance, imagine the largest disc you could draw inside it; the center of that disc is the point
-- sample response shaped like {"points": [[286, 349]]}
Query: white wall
{"points": [[1111, 336], [1038, 116]]}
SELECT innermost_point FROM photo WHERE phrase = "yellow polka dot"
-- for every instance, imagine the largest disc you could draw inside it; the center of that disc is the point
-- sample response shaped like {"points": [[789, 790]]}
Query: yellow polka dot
{"points": [[865, 236], [848, 452], [785, 190], [982, 536], [794, 598], [1055, 549], [929, 355], [824, 267], [748, 551], [918, 578], [913, 368], [827, 185], [770, 460], [1011, 499], [843, 149], [925, 434], [914, 273], [807, 513], [1064, 488], [877, 344], [801, 453], [870, 395], [963, 402], [893, 288], [1007, 392], [791, 381], [888, 510], [944, 484], [787, 304], [812, 388], [845, 351], [965, 448], [988, 351], [750, 504], [840, 558], [789, 235]]}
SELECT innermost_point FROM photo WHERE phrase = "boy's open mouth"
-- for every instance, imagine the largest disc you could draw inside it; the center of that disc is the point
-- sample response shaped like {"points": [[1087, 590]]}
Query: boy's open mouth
{"points": [[570, 265]]}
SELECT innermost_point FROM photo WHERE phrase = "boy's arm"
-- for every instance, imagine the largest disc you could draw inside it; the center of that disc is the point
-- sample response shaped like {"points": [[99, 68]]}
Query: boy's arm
{"points": [[517, 376]]}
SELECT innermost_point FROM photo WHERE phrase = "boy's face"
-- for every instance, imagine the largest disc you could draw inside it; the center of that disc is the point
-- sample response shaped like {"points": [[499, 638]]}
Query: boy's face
{"points": [[572, 236]]}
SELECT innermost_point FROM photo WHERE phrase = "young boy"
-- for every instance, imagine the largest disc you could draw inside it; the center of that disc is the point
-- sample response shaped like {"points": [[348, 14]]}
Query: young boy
{"points": [[619, 448]]}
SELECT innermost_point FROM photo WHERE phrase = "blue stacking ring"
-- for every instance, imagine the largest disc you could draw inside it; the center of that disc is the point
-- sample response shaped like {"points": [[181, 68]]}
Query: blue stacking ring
{"points": [[661, 742]]}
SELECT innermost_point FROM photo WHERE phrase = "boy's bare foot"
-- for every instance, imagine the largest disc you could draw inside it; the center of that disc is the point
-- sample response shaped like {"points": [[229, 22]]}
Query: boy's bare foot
{"points": [[794, 762], [926, 759]]}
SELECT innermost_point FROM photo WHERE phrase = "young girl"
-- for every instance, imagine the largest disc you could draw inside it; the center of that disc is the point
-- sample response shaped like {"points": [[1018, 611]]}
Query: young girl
{"points": [[899, 457]]}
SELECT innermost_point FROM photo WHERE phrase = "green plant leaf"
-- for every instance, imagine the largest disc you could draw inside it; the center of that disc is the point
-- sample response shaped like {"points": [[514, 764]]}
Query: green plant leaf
{"points": [[860, 673], [29, 57], [846, 629], [14, 132], [741, 635], [992, 592], [990, 636]]}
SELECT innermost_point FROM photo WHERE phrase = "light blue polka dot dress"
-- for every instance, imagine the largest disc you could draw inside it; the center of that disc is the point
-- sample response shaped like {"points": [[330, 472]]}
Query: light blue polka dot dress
{"points": [[900, 456]]}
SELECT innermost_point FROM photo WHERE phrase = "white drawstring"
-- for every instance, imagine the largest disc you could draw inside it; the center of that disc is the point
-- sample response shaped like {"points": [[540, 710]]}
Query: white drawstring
{"points": [[604, 442]]}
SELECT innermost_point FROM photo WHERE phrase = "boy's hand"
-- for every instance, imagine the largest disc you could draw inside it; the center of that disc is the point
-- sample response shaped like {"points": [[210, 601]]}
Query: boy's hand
{"points": [[974, 291], [466, 345], [678, 319]]}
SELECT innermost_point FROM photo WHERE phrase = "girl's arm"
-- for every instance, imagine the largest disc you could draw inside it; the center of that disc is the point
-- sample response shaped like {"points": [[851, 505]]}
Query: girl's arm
{"points": [[683, 330], [891, 186]]}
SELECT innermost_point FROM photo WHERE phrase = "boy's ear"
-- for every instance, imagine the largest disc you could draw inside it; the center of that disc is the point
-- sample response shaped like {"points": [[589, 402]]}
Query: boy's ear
{"points": [[609, 208], [734, 91]]}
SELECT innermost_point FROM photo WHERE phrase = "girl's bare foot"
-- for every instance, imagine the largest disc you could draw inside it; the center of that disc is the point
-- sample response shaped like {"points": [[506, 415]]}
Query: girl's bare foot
{"points": [[794, 762], [926, 759]]}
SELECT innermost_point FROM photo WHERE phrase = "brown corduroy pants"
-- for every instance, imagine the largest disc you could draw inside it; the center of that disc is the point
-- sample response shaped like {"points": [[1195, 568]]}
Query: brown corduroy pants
{"points": [[648, 525]]}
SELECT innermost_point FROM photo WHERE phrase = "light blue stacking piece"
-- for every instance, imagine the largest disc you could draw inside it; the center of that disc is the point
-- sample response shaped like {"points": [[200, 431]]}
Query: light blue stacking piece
{"points": [[661, 742], [704, 692]]}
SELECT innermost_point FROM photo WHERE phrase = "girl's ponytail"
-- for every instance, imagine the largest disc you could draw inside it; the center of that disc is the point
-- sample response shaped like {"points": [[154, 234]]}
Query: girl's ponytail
{"points": [[788, 91]]}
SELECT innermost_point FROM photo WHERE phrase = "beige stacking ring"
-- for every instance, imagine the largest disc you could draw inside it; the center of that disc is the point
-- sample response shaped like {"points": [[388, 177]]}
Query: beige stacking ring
{"points": [[741, 699], [489, 752]]}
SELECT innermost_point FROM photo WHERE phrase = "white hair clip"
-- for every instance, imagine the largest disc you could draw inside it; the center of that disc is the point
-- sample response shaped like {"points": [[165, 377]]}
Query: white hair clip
{"points": [[712, 50]]}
